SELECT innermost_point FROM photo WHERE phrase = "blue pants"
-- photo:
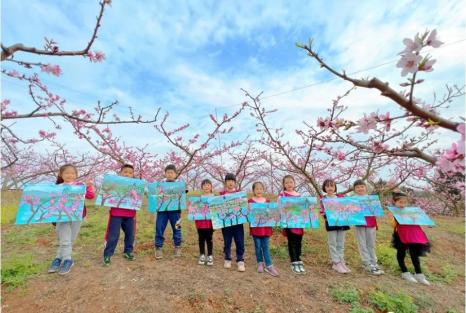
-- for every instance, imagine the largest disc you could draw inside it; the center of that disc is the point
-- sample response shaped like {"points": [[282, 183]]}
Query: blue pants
{"points": [[128, 224], [262, 250], [160, 225], [235, 232]]}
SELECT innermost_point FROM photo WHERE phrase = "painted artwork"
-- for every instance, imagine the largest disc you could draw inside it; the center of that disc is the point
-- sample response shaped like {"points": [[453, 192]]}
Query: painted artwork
{"points": [[47, 203], [228, 210], [298, 212], [121, 192], [198, 208], [370, 204], [264, 214], [411, 216], [345, 211], [166, 196]]}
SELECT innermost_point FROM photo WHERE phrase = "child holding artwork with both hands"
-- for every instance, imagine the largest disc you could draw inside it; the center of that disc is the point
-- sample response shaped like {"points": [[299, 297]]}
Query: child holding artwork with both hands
{"points": [[205, 230]]}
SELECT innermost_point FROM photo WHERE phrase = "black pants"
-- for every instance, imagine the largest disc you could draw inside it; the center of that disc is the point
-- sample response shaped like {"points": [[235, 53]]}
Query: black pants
{"points": [[127, 224], [294, 245], [414, 252], [205, 238]]}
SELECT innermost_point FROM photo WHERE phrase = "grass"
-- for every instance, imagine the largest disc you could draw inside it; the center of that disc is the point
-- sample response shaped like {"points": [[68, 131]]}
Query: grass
{"points": [[18, 268], [392, 302]]}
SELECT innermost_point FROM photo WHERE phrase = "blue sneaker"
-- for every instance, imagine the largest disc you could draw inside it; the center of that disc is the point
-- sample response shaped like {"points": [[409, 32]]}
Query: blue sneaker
{"points": [[67, 265], [55, 266]]}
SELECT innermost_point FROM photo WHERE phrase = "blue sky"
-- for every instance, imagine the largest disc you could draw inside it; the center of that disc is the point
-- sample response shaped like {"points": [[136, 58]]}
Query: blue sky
{"points": [[191, 58]]}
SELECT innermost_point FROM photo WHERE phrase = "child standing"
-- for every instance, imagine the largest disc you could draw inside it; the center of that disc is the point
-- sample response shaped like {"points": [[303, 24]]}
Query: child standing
{"points": [[163, 218], [336, 234], [235, 232], [294, 235], [412, 238], [205, 230], [68, 231], [261, 235], [366, 235], [124, 219]]}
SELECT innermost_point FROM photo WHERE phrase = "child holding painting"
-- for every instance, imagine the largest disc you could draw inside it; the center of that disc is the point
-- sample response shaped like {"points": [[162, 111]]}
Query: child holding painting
{"points": [[261, 235], [205, 230], [68, 231]]}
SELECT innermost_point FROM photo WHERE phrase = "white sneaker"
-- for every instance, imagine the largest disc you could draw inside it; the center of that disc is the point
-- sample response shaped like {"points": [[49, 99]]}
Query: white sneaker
{"points": [[421, 279], [377, 267], [241, 267], [301, 267], [409, 277], [210, 260], [201, 260], [227, 264]]}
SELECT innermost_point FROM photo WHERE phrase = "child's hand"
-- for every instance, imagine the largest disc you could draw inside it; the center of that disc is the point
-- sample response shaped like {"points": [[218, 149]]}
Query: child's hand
{"points": [[89, 182], [178, 224]]}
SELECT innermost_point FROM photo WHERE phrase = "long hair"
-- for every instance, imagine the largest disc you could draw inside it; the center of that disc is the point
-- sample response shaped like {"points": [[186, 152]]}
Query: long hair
{"points": [[62, 169], [284, 178]]}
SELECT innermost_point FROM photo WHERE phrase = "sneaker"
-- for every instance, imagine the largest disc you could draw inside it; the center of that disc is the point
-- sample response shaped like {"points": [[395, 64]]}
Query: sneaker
{"points": [[409, 277], [201, 260], [295, 268], [55, 266], [420, 278], [346, 268], [375, 271], [129, 256], [301, 267], [338, 267], [379, 269], [158, 253], [227, 264], [241, 267], [65, 269], [177, 252], [271, 270], [260, 267], [210, 260], [106, 260]]}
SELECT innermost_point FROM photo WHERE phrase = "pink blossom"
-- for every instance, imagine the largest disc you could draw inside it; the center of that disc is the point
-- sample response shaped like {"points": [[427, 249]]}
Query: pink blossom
{"points": [[340, 155], [367, 123], [379, 147], [411, 45], [98, 56], [51, 69], [432, 39], [426, 65], [409, 63]]}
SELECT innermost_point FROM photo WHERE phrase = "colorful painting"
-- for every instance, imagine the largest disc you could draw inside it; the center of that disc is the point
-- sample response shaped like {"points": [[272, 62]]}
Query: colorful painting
{"points": [[370, 204], [343, 211], [198, 209], [47, 203], [264, 214], [228, 210], [298, 212], [411, 216], [121, 192], [166, 196]]}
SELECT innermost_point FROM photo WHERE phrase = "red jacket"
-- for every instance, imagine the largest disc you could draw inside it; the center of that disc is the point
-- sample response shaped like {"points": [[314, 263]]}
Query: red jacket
{"points": [[122, 212], [411, 234], [297, 231], [263, 231]]}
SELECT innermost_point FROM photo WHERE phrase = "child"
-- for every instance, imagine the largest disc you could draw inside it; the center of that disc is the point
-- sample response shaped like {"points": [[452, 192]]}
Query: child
{"points": [[163, 218], [366, 235], [205, 230], [294, 235], [336, 234], [68, 231], [235, 232], [124, 219], [412, 238], [261, 235]]}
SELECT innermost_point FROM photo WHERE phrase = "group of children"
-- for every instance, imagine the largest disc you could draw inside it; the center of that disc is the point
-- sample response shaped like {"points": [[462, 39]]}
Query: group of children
{"points": [[405, 237]]}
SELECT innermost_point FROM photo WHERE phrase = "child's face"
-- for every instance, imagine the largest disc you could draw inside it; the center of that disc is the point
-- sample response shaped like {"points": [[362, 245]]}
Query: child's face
{"points": [[127, 172], [258, 190], [69, 175], [170, 174], [401, 202], [288, 184], [230, 185], [330, 189], [207, 188], [360, 190]]}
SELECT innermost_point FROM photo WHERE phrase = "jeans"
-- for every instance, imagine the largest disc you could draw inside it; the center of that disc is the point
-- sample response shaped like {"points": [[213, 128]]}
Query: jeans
{"points": [[262, 250]]}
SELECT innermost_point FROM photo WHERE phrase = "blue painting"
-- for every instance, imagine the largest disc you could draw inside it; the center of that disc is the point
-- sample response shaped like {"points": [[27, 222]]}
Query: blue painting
{"points": [[298, 212], [411, 216], [121, 192], [166, 196], [198, 208], [345, 211], [264, 214], [370, 204], [47, 203], [228, 210]]}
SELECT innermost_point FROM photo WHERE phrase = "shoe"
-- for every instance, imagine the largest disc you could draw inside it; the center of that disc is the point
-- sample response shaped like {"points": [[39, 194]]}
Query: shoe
{"points": [[67, 265], [177, 252], [260, 267], [295, 268], [409, 277], [129, 256], [227, 264], [241, 267], [106, 260], [55, 266], [375, 271], [420, 278], [271, 270], [379, 269], [346, 268], [201, 260], [210, 260], [158, 253], [338, 267], [301, 267]]}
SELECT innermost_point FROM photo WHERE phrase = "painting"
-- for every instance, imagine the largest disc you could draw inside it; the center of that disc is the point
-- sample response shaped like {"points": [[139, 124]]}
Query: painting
{"points": [[411, 216], [264, 214], [166, 196], [121, 192], [298, 212], [345, 211], [370, 204], [228, 210], [198, 208]]}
